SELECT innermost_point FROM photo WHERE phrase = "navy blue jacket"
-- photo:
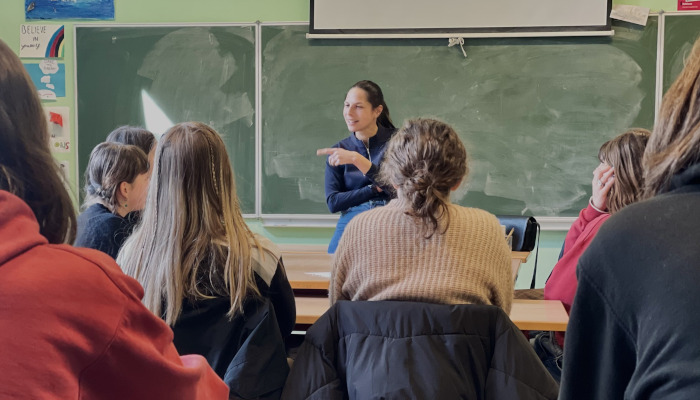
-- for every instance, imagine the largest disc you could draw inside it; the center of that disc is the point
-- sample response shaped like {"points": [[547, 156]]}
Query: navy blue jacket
{"points": [[346, 186], [100, 229]]}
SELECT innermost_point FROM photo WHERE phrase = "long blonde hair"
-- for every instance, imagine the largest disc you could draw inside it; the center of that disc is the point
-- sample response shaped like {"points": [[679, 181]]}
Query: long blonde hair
{"points": [[675, 143], [192, 241]]}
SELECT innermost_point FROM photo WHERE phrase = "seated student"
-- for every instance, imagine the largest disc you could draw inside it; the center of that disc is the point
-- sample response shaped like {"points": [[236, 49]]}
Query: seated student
{"points": [[116, 183], [634, 324], [420, 246], [72, 324], [200, 264], [617, 182]]}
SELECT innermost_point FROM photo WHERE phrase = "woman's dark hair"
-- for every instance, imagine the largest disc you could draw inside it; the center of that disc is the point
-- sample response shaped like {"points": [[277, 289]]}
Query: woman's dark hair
{"points": [[624, 153], [133, 135], [27, 168], [111, 164], [425, 159], [375, 97]]}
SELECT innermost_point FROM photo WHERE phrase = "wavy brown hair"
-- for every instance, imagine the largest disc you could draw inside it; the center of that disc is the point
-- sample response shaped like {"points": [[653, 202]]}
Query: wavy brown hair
{"points": [[425, 159], [27, 168], [675, 143], [624, 153], [192, 241], [111, 164]]}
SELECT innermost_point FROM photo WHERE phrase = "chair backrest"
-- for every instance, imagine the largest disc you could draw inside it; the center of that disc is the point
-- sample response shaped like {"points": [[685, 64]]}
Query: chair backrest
{"points": [[392, 350]]}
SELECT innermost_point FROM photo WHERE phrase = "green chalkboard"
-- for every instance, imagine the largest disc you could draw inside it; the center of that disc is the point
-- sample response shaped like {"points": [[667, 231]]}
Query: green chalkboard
{"points": [[532, 112], [680, 32], [145, 75]]}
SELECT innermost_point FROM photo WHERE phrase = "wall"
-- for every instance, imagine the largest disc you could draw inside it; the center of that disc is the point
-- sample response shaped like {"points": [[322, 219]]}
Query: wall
{"points": [[162, 11]]}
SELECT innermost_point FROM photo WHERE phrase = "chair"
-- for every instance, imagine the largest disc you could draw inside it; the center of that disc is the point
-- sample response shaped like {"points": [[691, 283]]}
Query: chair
{"points": [[408, 350]]}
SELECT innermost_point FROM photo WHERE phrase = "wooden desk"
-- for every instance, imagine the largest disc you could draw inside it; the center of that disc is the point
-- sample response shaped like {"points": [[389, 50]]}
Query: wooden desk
{"points": [[309, 266], [544, 315]]}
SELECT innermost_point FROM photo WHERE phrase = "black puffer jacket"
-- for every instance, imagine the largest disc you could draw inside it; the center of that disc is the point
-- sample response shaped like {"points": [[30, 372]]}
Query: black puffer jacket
{"points": [[406, 350]]}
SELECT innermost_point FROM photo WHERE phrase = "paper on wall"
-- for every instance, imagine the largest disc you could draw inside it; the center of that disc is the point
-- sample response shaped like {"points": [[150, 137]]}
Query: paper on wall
{"points": [[41, 41], [634, 14]]}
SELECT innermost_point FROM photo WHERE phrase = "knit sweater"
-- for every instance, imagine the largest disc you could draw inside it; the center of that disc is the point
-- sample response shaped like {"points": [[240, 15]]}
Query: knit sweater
{"points": [[383, 255]]}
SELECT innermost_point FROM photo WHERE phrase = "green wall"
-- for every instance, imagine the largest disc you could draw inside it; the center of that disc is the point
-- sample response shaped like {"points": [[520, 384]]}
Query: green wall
{"points": [[162, 11]]}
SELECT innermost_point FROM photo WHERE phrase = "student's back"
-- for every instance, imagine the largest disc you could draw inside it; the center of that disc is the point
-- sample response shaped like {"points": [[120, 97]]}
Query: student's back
{"points": [[200, 265], [635, 305], [73, 325]]}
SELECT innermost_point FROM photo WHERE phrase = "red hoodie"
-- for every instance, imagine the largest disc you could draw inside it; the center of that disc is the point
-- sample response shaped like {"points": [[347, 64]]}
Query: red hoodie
{"points": [[561, 285], [72, 325]]}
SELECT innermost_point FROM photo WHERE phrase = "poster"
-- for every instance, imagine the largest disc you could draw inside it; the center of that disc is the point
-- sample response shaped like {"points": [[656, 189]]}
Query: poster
{"points": [[41, 41], [684, 5], [69, 9], [58, 119], [49, 77]]}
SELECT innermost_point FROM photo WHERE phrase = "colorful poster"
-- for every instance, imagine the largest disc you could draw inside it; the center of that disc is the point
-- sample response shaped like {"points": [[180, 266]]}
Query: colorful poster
{"points": [[69, 9], [58, 119], [684, 5], [41, 41], [49, 77]]}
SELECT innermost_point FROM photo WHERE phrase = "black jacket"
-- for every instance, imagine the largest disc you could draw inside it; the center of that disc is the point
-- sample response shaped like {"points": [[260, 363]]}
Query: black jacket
{"points": [[247, 352], [406, 350], [634, 325]]}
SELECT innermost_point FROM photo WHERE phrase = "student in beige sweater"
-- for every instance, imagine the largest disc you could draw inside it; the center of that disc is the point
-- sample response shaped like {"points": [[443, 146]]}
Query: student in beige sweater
{"points": [[421, 247]]}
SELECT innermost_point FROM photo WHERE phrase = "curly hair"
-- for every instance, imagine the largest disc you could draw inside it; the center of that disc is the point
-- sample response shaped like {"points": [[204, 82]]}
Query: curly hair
{"points": [[424, 160]]}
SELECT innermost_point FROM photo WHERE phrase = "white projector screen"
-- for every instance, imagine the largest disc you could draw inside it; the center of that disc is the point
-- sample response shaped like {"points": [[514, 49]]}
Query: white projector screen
{"points": [[414, 16]]}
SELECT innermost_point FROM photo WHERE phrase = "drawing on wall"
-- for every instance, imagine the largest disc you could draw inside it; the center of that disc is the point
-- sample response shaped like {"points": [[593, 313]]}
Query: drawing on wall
{"points": [[59, 128], [58, 119], [41, 41], [49, 77], [69, 9]]}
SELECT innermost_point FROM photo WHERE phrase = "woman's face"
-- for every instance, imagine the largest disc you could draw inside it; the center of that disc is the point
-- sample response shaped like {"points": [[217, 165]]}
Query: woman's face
{"points": [[358, 113]]}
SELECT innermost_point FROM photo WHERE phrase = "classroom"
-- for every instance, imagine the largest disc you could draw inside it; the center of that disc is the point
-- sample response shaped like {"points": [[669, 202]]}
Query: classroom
{"points": [[531, 120], [215, 11]]}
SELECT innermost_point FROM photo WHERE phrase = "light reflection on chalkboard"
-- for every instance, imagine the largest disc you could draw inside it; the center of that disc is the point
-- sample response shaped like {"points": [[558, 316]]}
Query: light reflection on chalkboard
{"points": [[156, 120]]}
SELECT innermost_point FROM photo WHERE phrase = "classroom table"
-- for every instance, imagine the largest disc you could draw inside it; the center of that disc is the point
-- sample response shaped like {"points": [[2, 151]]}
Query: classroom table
{"points": [[539, 315], [309, 266]]}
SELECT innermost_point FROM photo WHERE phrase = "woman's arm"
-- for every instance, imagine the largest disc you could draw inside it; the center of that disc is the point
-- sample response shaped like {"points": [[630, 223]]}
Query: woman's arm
{"points": [[340, 198], [603, 180]]}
